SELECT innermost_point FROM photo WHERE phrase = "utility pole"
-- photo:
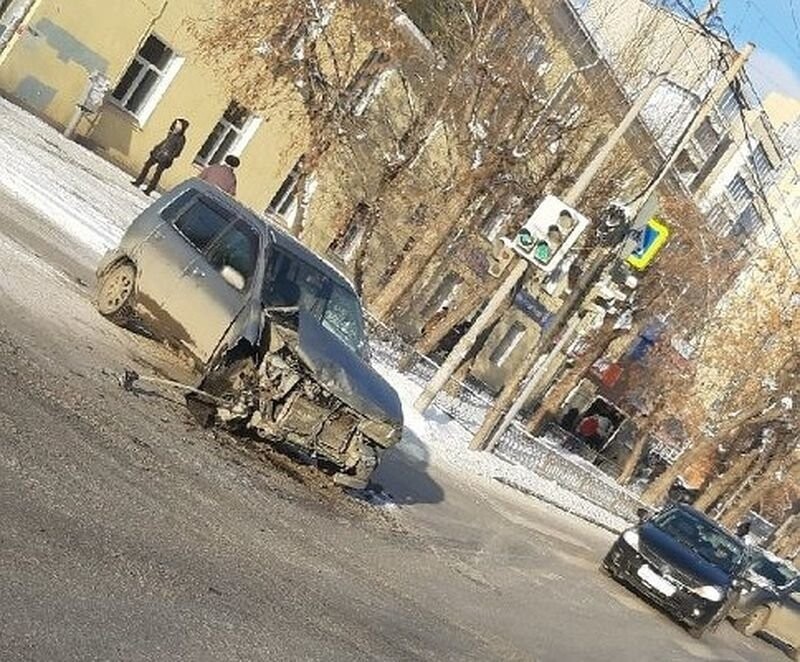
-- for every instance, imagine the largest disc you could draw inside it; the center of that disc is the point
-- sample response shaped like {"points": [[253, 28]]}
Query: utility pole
{"points": [[534, 381], [468, 340]]}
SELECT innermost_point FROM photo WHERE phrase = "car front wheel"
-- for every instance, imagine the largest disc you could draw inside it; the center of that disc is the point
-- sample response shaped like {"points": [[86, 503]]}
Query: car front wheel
{"points": [[115, 292]]}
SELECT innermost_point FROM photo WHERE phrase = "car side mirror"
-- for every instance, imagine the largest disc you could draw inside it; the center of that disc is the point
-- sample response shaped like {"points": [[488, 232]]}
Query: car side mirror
{"points": [[642, 514], [232, 277]]}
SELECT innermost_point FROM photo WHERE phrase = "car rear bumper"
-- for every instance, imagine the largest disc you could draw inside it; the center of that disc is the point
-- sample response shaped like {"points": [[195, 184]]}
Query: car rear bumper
{"points": [[624, 562]]}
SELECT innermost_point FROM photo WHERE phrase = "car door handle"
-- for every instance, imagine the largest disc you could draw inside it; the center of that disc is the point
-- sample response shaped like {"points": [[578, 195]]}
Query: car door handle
{"points": [[197, 271]]}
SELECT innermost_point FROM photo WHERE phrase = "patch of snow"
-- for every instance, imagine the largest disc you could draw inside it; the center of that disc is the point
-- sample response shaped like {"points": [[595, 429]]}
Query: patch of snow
{"points": [[82, 195], [447, 443]]}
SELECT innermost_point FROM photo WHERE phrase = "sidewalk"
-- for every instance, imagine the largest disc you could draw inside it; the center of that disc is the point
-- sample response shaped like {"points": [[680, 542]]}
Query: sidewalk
{"points": [[91, 201]]}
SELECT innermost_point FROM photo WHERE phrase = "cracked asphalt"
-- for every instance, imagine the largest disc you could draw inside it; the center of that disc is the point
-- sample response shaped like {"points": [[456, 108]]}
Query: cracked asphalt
{"points": [[128, 533]]}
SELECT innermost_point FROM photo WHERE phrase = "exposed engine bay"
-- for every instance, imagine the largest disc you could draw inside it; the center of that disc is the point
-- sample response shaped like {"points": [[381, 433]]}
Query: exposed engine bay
{"points": [[304, 391]]}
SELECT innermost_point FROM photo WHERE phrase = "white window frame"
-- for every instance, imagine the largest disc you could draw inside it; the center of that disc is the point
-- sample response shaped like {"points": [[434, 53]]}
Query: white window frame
{"points": [[243, 135], [165, 77]]}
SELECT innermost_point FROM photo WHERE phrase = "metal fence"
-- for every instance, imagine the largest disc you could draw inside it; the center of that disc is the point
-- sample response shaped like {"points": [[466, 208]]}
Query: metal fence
{"points": [[468, 405]]}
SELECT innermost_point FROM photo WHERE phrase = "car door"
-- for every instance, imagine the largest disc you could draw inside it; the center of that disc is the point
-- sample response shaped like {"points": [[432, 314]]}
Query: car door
{"points": [[214, 288], [189, 226]]}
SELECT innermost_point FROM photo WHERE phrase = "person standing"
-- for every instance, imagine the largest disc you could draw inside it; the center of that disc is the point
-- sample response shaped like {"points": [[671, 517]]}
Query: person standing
{"points": [[222, 175], [163, 155]]}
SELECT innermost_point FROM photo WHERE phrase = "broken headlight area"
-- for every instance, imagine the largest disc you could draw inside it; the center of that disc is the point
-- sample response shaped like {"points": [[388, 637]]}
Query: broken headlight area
{"points": [[282, 402]]}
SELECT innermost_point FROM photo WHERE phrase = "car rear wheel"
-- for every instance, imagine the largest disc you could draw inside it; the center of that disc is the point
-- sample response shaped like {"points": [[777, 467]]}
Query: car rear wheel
{"points": [[115, 292], [754, 622]]}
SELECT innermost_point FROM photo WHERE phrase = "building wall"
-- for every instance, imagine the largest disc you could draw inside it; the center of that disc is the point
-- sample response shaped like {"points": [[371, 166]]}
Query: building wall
{"points": [[64, 41]]}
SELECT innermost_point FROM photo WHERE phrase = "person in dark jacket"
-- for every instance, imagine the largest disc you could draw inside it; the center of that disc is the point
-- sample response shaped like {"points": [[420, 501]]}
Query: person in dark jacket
{"points": [[163, 155]]}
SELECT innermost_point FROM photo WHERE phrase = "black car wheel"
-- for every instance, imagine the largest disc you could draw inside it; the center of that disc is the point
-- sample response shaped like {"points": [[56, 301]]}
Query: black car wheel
{"points": [[608, 567]]}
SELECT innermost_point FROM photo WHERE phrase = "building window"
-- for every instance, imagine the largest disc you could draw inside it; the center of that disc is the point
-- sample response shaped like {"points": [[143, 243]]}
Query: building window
{"points": [[347, 242], [761, 163], [707, 137], [739, 190], [229, 136], [286, 195], [443, 296], [748, 223], [146, 78], [508, 344], [718, 221], [729, 105]]}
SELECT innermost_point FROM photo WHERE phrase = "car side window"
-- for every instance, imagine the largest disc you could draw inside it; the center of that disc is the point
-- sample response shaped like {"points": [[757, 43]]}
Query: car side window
{"points": [[172, 210], [238, 250], [203, 222]]}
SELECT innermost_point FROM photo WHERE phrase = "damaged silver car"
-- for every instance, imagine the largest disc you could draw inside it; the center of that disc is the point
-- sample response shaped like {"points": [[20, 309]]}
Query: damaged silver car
{"points": [[277, 332]]}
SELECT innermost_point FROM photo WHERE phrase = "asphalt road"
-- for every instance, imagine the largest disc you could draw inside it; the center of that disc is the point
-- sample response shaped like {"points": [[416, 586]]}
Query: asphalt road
{"points": [[128, 533]]}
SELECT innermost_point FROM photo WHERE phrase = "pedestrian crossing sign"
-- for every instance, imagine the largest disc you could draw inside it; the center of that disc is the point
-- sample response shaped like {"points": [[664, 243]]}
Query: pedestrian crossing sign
{"points": [[652, 239]]}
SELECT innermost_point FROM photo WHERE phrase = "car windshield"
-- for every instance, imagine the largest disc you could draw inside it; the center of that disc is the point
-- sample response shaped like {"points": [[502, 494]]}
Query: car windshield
{"points": [[706, 540], [291, 282], [776, 574]]}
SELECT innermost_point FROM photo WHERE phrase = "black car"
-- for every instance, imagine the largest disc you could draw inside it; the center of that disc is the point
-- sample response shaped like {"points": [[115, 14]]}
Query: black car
{"points": [[682, 561]]}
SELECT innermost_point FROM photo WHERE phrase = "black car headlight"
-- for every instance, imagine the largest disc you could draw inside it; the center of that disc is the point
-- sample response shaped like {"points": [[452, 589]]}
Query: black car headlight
{"points": [[710, 593], [631, 538]]}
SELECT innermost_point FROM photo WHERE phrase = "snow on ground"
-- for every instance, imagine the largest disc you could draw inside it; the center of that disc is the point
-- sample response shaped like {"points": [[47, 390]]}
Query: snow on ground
{"points": [[447, 443], [92, 202], [82, 195]]}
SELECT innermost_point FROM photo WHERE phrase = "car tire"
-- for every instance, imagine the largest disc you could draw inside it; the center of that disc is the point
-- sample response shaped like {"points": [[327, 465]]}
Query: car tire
{"points": [[607, 566], [753, 623], [697, 631], [115, 291]]}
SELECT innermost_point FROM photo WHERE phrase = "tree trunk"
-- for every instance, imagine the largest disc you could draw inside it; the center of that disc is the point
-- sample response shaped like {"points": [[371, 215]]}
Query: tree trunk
{"points": [[726, 481], [658, 489], [632, 461]]}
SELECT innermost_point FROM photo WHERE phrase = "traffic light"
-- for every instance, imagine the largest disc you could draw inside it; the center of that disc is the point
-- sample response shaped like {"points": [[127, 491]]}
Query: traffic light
{"points": [[549, 233]]}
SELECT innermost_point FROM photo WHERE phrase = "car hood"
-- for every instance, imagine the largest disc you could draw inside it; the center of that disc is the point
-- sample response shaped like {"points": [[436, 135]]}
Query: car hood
{"points": [[657, 544], [345, 374]]}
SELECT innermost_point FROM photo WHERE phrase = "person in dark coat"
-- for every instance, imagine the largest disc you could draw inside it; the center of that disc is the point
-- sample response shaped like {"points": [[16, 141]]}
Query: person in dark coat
{"points": [[163, 155]]}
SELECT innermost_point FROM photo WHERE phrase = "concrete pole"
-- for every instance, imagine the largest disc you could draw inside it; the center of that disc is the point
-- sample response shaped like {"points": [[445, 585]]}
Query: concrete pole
{"points": [[540, 369], [467, 341], [705, 109]]}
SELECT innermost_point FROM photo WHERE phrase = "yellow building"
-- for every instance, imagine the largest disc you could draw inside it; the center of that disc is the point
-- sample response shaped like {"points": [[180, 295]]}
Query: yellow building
{"points": [[50, 49]]}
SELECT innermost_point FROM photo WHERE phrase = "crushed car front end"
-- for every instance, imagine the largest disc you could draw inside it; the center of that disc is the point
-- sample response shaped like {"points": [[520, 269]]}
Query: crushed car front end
{"points": [[309, 389]]}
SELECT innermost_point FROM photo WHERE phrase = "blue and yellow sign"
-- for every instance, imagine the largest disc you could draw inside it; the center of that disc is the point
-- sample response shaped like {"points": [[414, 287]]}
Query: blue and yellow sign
{"points": [[654, 236]]}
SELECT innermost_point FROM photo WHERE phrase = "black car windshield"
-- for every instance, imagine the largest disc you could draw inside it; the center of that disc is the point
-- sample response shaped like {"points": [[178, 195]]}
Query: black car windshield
{"points": [[706, 540], [290, 281]]}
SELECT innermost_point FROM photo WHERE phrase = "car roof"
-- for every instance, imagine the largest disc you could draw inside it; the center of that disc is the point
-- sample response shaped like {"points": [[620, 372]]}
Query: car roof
{"points": [[275, 232]]}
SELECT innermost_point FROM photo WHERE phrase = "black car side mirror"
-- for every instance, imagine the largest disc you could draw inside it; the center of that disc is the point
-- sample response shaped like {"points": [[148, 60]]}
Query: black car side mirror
{"points": [[642, 514]]}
